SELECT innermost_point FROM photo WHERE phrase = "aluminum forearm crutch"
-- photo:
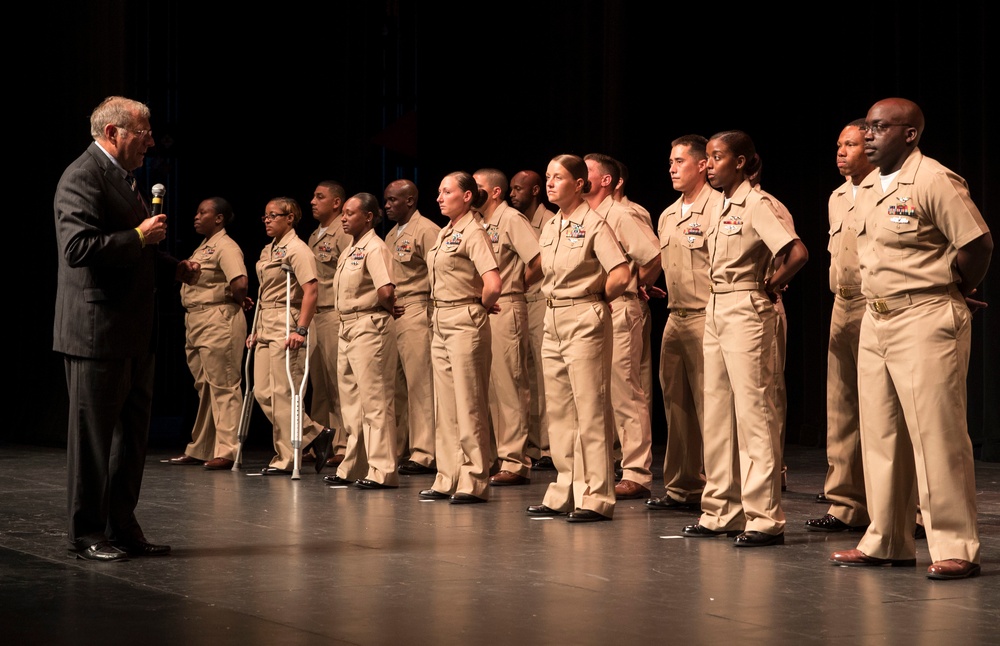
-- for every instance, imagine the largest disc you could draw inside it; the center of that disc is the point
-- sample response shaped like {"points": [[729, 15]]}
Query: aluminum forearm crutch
{"points": [[296, 392], [245, 412]]}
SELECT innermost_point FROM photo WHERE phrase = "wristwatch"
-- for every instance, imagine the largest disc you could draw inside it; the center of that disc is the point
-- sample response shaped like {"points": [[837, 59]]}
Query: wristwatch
{"points": [[302, 331]]}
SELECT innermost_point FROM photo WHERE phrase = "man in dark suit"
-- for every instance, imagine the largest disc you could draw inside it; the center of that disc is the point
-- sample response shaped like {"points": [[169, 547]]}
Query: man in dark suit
{"points": [[109, 269]]}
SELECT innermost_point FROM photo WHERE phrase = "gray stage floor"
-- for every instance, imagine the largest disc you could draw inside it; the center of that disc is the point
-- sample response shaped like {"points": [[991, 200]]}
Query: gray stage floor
{"points": [[269, 560]]}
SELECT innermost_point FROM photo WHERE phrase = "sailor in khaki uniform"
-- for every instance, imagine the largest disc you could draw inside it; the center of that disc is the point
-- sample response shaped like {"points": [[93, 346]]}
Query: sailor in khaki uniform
{"points": [[411, 240], [526, 196], [465, 286], [216, 330], [269, 341], [516, 249], [683, 227], [629, 319], [327, 242], [923, 248], [742, 432], [366, 358], [845, 478], [584, 269]]}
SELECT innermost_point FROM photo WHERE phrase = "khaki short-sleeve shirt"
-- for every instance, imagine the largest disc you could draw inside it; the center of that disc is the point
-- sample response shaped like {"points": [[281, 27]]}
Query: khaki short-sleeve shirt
{"points": [[911, 233], [221, 261], [578, 250], [459, 258], [362, 269], [683, 249]]}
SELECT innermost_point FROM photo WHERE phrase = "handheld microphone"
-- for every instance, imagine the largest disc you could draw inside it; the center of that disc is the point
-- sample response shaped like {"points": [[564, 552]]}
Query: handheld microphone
{"points": [[158, 192]]}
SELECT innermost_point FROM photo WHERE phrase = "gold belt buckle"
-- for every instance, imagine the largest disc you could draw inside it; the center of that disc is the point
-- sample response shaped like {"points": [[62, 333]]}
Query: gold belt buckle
{"points": [[880, 306], [681, 312], [845, 292], [548, 302]]}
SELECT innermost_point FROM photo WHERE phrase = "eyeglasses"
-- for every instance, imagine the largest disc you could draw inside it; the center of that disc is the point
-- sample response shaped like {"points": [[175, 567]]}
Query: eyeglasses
{"points": [[267, 217], [137, 133], [880, 127]]}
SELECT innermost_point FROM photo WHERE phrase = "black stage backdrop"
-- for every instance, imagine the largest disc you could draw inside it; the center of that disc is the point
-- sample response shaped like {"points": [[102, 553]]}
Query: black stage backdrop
{"points": [[256, 102]]}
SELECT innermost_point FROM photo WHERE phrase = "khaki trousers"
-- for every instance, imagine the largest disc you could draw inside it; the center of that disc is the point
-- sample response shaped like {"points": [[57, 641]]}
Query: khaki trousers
{"points": [[577, 360], [742, 430], [214, 347], [913, 363], [366, 363]]}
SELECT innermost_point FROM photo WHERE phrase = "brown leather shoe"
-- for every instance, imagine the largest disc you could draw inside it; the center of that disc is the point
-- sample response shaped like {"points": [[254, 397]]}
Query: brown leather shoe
{"points": [[952, 569], [216, 464], [184, 459], [508, 478], [334, 460], [857, 558], [628, 490]]}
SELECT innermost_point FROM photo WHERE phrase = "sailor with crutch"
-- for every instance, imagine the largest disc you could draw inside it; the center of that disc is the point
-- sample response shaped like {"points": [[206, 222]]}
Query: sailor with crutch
{"points": [[286, 271]]}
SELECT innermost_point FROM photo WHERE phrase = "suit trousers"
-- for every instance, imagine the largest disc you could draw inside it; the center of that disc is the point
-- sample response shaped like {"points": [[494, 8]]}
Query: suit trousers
{"points": [[366, 363], [631, 406], [742, 431], [682, 379], [271, 388], [845, 475], [106, 447], [509, 390], [414, 385], [461, 353], [214, 347], [576, 354], [913, 363]]}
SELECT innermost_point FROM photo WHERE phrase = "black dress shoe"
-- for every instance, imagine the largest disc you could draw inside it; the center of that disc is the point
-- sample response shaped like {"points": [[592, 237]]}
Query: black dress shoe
{"points": [[102, 551], [542, 510], [822, 499], [831, 523], [321, 446], [142, 547], [700, 531], [758, 539], [274, 471], [543, 463], [666, 502], [365, 483], [336, 480], [411, 468], [430, 494], [465, 499], [585, 516]]}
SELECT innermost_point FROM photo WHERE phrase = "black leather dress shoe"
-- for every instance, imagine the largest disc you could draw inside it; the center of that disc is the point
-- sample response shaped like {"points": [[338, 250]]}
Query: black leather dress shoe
{"points": [[430, 494], [142, 547], [700, 531], [274, 471], [365, 483], [321, 446], [666, 502], [758, 539], [543, 463], [465, 499], [822, 499], [336, 480], [102, 551], [542, 510], [585, 516], [411, 468], [831, 523]]}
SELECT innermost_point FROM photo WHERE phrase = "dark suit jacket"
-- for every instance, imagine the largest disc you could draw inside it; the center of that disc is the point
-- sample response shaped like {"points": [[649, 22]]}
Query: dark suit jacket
{"points": [[106, 280]]}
